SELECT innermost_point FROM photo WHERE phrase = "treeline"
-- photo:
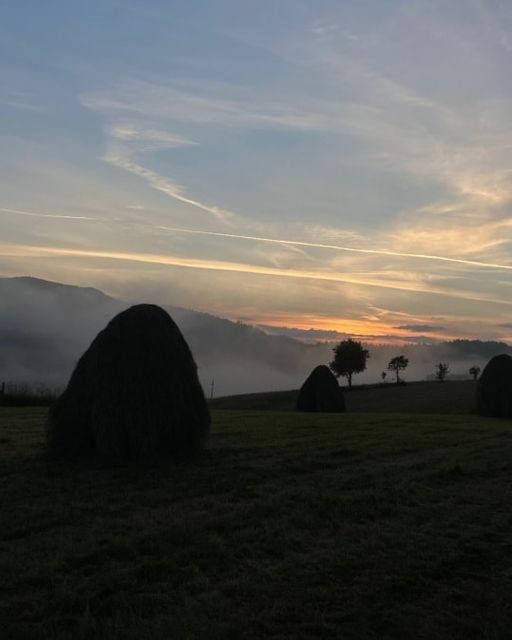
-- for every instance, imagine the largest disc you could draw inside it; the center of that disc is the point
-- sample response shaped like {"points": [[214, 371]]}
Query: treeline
{"points": [[14, 394], [351, 357]]}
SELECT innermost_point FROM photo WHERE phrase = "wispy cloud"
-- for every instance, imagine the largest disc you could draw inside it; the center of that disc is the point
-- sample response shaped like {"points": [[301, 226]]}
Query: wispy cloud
{"points": [[333, 247], [421, 328], [119, 156], [18, 250], [200, 105], [127, 142], [403, 131], [340, 158]]}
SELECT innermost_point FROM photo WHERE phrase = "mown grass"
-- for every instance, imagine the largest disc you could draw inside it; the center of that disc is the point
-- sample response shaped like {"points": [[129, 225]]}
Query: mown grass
{"points": [[453, 396], [286, 526]]}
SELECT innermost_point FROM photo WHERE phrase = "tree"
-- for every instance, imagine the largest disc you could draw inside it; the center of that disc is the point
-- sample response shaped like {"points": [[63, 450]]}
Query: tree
{"points": [[442, 369], [397, 364], [349, 357], [383, 376], [475, 372]]}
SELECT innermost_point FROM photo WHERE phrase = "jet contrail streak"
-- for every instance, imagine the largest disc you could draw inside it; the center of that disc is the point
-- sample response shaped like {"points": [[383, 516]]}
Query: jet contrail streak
{"points": [[33, 214], [335, 247], [293, 243], [31, 251]]}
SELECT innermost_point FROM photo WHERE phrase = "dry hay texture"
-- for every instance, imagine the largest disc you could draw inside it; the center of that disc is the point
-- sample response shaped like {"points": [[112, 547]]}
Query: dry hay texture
{"points": [[494, 390], [134, 394], [321, 392]]}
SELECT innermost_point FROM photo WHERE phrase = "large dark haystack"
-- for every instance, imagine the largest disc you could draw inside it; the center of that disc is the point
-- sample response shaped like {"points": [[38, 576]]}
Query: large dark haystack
{"points": [[494, 390], [134, 394], [321, 392]]}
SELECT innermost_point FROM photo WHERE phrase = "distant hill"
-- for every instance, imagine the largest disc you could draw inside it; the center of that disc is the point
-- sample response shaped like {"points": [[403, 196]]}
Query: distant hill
{"points": [[45, 326]]}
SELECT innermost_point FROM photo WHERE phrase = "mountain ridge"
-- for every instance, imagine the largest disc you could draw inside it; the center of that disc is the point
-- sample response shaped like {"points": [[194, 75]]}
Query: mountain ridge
{"points": [[45, 326]]}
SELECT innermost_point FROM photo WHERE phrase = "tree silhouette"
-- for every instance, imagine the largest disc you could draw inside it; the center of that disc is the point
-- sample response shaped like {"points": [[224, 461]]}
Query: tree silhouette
{"points": [[397, 364], [349, 358], [442, 369], [475, 372]]}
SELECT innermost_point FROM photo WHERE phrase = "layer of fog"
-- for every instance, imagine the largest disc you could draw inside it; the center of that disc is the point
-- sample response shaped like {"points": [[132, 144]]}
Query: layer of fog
{"points": [[45, 327]]}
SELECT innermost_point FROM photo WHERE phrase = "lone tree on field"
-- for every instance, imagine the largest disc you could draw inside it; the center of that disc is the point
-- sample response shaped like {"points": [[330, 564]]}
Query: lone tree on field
{"points": [[442, 369], [474, 372], [134, 394], [349, 358], [397, 364]]}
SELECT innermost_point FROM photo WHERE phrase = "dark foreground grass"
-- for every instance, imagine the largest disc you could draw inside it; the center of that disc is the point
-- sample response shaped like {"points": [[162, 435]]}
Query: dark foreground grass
{"points": [[286, 526]]}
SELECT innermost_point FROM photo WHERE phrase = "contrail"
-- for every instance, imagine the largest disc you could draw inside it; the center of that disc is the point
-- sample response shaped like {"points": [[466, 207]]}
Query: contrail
{"points": [[33, 214], [119, 158], [28, 251], [293, 243], [335, 247]]}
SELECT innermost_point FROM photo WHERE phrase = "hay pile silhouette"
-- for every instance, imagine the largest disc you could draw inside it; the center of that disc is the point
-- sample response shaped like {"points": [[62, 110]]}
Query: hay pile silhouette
{"points": [[494, 390], [321, 392], [134, 394]]}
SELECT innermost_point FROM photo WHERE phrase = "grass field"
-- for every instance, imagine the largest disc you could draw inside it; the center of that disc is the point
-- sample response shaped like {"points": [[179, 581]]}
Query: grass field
{"points": [[454, 396], [286, 526]]}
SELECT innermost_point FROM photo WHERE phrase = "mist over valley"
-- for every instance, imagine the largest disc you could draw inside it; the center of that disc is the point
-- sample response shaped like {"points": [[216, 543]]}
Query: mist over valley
{"points": [[46, 326]]}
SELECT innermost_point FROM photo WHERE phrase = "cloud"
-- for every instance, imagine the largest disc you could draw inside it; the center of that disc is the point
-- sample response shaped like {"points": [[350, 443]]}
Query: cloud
{"points": [[199, 105], [423, 328], [28, 251], [403, 131], [441, 226], [122, 157], [295, 245], [461, 147], [128, 141], [360, 250], [130, 144]]}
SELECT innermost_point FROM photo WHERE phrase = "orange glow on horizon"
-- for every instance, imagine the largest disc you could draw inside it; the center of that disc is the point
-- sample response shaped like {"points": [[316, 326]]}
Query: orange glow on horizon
{"points": [[366, 330]]}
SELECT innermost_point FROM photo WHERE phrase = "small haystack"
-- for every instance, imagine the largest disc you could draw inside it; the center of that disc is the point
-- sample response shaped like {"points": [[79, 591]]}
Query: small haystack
{"points": [[494, 390], [321, 392], [134, 394]]}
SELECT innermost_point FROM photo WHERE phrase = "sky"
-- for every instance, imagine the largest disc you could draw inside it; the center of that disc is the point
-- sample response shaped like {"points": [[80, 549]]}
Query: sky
{"points": [[322, 164]]}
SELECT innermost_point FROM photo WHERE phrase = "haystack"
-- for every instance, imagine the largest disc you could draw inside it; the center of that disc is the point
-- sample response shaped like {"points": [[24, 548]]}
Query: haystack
{"points": [[321, 392], [134, 394], [494, 389]]}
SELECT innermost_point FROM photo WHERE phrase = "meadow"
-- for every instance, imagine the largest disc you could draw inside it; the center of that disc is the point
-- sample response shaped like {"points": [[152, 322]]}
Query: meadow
{"points": [[285, 526], [453, 396]]}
